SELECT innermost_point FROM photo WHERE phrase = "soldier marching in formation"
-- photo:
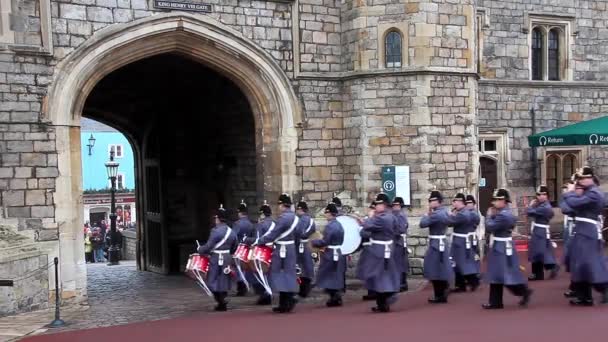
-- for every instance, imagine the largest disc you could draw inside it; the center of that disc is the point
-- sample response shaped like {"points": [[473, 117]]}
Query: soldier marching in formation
{"points": [[541, 253], [503, 263], [462, 252], [437, 267], [401, 253], [332, 265], [306, 227], [383, 260]]}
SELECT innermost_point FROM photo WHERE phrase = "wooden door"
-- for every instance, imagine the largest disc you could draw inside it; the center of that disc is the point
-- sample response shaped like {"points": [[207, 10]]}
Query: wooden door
{"points": [[488, 181], [155, 227]]}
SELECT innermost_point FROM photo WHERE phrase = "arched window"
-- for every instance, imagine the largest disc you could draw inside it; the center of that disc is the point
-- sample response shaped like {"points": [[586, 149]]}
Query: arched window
{"points": [[553, 54], [537, 54], [392, 49]]}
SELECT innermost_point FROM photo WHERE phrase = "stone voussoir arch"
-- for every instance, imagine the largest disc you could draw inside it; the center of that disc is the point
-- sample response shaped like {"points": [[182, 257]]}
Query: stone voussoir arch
{"points": [[275, 107]]}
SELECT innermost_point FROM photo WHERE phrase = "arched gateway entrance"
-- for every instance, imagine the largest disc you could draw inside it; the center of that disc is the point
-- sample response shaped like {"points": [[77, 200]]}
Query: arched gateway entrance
{"points": [[179, 139]]}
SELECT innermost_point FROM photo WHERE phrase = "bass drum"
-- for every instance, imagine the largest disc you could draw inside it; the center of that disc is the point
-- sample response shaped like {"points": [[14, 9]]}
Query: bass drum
{"points": [[352, 239]]}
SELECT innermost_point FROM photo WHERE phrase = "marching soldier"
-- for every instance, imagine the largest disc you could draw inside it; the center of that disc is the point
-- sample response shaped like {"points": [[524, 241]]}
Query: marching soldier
{"points": [[587, 264], [243, 228], [306, 227], [503, 263], [463, 254], [220, 246], [541, 253], [332, 266], [474, 223], [379, 272], [283, 277], [568, 231], [265, 224], [437, 266], [401, 254], [364, 255]]}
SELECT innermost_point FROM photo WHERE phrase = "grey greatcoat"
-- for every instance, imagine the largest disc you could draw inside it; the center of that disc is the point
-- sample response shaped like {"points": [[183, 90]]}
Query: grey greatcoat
{"points": [[283, 277], [401, 255], [333, 264], [437, 258], [377, 267], [244, 229], [568, 230], [585, 251], [503, 263], [541, 249], [260, 229], [306, 227], [463, 254], [220, 246]]}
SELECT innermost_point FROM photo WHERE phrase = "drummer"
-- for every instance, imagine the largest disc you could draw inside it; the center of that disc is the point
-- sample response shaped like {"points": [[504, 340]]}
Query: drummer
{"points": [[332, 267], [221, 244], [283, 277], [379, 271], [243, 229], [437, 266], [462, 253], [475, 219], [306, 227], [265, 223], [364, 256], [401, 255]]}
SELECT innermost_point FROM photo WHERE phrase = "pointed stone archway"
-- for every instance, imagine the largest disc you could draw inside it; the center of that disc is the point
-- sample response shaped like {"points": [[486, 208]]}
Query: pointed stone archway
{"points": [[269, 92]]}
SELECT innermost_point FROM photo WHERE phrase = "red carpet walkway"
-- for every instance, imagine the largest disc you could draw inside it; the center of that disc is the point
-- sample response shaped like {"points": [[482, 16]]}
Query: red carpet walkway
{"points": [[548, 318]]}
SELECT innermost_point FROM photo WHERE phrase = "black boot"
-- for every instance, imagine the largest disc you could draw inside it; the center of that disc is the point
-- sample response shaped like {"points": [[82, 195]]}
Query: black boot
{"points": [[241, 289], [538, 272], [440, 292], [305, 287], [283, 303], [495, 300], [571, 293], [371, 295], [583, 295], [459, 282], [473, 281], [525, 298], [335, 299], [381, 304], [264, 299], [554, 270], [220, 298]]}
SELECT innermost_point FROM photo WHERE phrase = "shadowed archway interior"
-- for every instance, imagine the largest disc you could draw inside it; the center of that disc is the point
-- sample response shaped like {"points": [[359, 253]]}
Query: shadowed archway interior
{"points": [[195, 140]]}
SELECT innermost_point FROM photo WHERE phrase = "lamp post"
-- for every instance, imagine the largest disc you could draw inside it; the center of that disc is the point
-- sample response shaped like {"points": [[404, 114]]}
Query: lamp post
{"points": [[91, 143], [114, 248]]}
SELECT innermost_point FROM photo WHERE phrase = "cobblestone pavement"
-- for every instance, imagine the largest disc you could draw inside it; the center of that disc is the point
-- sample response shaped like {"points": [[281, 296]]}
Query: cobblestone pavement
{"points": [[120, 295]]}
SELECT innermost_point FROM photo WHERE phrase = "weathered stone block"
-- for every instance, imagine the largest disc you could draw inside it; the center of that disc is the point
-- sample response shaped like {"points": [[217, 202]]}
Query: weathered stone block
{"points": [[35, 197], [33, 159], [99, 14], [45, 172], [69, 11], [43, 211], [13, 198]]}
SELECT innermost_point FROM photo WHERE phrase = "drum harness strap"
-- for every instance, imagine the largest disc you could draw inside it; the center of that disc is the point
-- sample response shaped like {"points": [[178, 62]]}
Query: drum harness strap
{"points": [[303, 241], [595, 222], [221, 252]]}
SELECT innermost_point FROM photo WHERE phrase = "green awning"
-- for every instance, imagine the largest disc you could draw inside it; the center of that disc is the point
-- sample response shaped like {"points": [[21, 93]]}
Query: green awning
{"points": [[592, 132]]}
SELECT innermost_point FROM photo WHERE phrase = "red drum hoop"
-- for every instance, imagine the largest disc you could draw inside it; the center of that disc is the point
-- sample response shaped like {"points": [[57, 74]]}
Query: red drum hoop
{"points": [[242, 253], [264, 255]]}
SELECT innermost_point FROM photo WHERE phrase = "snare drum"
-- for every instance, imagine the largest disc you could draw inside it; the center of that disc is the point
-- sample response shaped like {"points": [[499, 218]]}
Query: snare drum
{"points": [[264, 255], [242, 253], [198, 263]]}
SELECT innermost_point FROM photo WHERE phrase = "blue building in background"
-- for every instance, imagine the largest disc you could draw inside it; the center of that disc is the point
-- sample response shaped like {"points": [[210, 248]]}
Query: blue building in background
{"points": [[97, 140], [94, 176]]}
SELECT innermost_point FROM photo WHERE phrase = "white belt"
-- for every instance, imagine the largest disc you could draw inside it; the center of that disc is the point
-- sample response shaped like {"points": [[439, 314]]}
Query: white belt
{"points": [[301, 247], [596, 223], [335, 248], [466, 237], [366, 243], [441, 239], [544, 226], [283, 249], [569, 218], [220, 253], [507, 240], [387, 246], [404, 237]]}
